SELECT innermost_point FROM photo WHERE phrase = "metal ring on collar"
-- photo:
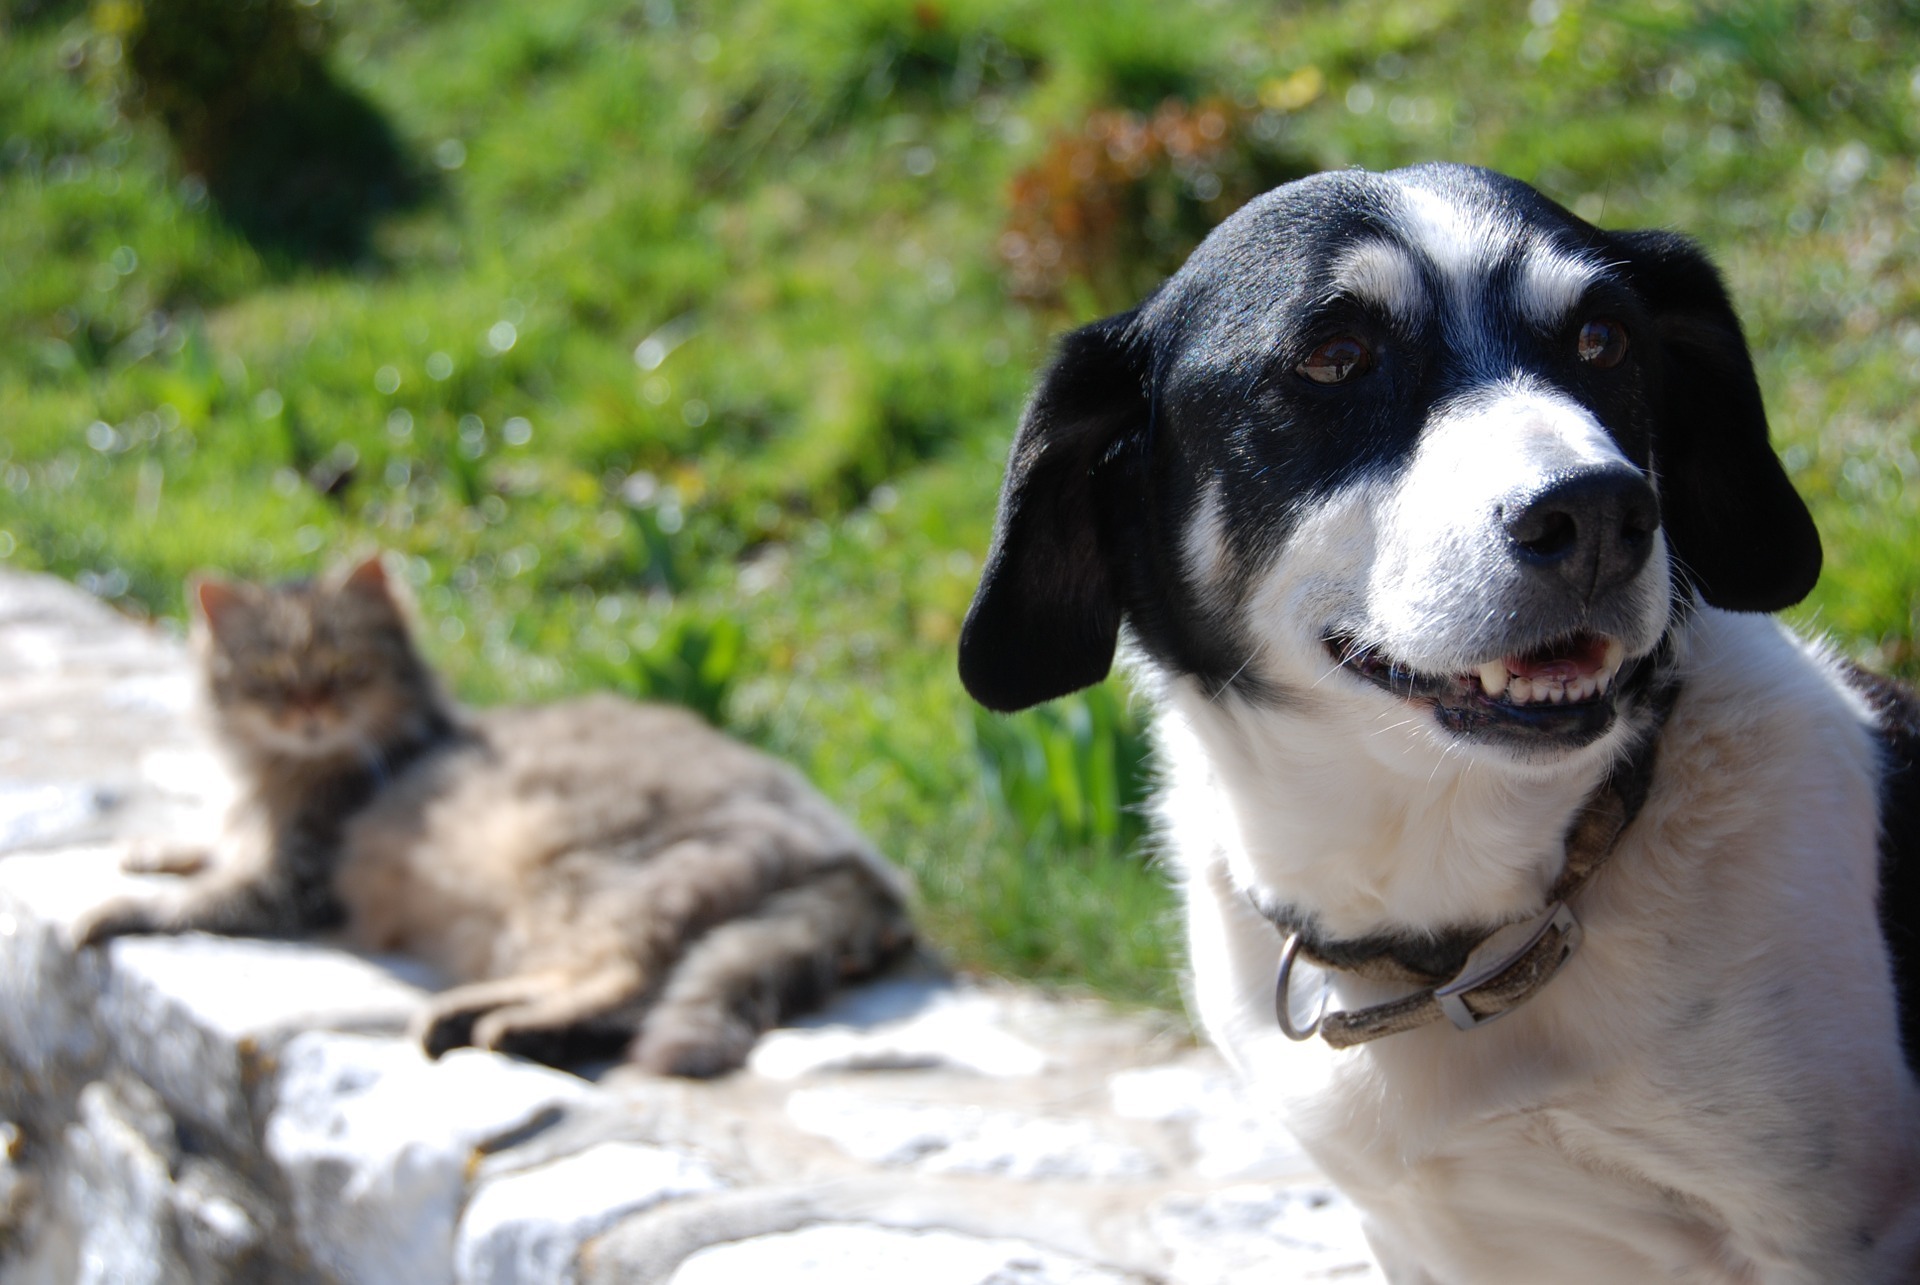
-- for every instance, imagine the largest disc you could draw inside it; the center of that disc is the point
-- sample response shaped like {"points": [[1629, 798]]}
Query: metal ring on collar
{"points": [[1283, 1001]]}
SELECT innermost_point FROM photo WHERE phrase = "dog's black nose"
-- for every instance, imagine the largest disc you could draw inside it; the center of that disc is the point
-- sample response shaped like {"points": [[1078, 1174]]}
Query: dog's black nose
{"points": [[1592, 528]]}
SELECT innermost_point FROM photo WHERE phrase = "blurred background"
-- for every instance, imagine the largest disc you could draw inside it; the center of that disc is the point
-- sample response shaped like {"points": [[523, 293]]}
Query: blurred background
{"points": [[676, 344]]}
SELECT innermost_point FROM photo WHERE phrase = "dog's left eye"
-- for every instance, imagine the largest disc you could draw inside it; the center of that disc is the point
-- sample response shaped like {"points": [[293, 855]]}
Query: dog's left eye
{"points": [[1602, 343], [1337, 360]]}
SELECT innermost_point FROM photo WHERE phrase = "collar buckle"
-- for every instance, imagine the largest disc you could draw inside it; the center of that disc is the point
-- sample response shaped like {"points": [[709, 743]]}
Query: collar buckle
{"points": [[1508, 967]]}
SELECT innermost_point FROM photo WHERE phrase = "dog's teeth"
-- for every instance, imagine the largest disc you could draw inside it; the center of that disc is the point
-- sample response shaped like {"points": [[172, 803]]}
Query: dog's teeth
{"points": [[1557, 694], [1493, 677], [1520, 691], [1610, 661]]}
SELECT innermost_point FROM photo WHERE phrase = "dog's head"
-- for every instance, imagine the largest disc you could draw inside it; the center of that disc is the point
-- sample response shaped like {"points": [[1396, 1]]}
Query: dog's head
{"points": [[1425, 426]]}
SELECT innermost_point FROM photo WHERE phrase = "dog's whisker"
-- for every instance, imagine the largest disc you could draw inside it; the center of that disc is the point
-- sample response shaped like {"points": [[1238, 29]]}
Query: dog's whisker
{"points": [[1325, 674], [1218, 692], [1446, 752]]}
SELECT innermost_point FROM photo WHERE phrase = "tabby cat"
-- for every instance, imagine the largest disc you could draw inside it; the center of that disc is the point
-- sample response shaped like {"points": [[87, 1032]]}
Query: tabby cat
{"points": [[595, 873]]}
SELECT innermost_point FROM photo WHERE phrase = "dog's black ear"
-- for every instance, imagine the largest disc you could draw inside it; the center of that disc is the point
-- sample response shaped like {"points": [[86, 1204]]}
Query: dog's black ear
{"points": [[1738, 530], [1046, 617]]}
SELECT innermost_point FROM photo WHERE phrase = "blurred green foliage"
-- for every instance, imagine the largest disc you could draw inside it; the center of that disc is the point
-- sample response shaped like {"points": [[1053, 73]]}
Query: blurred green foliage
{"points": [[678, 345], [1071, 774], [291, 157], [693, 662], [203, 66]]}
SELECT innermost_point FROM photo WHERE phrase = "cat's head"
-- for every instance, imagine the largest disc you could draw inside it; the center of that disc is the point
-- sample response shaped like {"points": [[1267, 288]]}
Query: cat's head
{"points": [[318, 669]]}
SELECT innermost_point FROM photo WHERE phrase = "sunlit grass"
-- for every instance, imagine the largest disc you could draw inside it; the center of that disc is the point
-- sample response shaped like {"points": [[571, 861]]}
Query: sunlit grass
{"points": [[695, 373]]}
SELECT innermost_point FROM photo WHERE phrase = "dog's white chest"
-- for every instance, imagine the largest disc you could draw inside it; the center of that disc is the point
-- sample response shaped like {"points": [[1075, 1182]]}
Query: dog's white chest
{"points": [[1487, 1195], [1710, 1090]]}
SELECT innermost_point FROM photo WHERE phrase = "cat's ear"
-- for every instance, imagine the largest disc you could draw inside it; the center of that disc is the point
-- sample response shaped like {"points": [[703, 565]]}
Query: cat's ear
{"points": [[369, 579], [372, 583], [215, 600]]}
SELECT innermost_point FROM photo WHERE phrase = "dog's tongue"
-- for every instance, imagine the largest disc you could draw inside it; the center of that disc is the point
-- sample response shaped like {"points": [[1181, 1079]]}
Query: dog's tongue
{"points": [[1577, 658]]}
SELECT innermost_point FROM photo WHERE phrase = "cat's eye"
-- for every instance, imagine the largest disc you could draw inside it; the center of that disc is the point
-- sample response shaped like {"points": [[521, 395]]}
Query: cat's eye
{"points": [[1602, 343], [1336, 361]]}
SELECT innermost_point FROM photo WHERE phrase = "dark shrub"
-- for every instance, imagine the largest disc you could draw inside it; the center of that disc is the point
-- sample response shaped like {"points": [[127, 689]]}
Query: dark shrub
{"points": [[299, 162]]}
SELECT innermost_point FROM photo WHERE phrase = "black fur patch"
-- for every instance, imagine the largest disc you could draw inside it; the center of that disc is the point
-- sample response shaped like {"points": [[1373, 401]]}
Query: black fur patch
{"points": [[1898, 731], [1196, 397]]}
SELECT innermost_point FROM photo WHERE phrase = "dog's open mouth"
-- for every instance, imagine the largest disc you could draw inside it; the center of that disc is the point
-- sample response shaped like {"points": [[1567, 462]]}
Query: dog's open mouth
{"points": [[1562, 692]]}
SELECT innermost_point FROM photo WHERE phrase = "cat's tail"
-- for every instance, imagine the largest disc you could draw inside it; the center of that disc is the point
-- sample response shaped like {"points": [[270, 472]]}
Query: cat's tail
{"points": [[753, 972]]}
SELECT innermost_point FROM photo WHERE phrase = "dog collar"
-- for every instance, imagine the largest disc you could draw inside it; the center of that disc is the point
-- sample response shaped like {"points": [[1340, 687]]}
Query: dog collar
{"points": [[1507, 966]]}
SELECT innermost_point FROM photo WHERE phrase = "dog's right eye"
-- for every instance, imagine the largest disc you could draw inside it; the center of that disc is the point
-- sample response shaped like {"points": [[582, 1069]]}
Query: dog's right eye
{"points": [[1602, 343], [1336, 361]]}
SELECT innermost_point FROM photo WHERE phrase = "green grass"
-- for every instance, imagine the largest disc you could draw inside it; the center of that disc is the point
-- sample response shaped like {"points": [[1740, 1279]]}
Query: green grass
{"points": [[690, 364]]}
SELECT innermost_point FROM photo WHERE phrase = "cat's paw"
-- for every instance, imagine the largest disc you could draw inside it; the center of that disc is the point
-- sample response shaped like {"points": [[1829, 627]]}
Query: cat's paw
{"points": [[121, 917], [451, 1018], [159, 857], [540, 1037], [695, 1050], [443, 1028]]}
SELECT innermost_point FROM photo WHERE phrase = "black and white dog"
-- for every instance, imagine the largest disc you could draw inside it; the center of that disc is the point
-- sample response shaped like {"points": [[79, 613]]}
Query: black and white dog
{"points": [[1441, 523]]}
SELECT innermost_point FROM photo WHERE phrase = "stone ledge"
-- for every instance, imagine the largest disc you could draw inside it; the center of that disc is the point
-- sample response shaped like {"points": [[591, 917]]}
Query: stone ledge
{"points": [[205, 1110]]}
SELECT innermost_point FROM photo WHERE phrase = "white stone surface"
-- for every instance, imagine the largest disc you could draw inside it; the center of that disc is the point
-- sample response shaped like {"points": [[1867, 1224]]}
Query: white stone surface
{"points": [[944, 1139], [1249, 1235], [168, 694], [83, 692], [33, 813], [376, 1143], [190, 1031], [55, 887], [858, 1254], [912, 1024], [1231, 1136], [47, 996], [207, 1111], [188, 1014], [527, 1227], [121, 1183], [290, 985]]}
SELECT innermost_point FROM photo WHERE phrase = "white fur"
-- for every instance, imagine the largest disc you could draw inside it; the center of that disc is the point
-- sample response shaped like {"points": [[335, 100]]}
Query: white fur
{"points": [[1552, 284], [1457, 239], [1382, 274], [1205, 544], [1460, 242], [1711, 1090], [1441, 583]]}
